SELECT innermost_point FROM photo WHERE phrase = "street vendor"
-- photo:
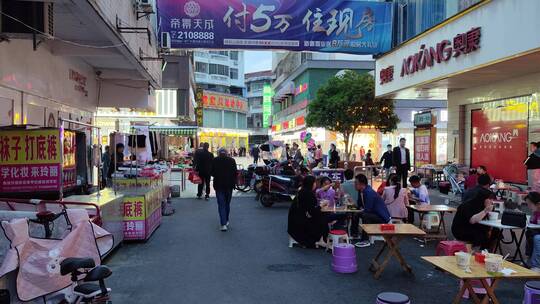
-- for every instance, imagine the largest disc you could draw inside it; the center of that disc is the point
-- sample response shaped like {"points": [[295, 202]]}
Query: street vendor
{"points": [[118, 160]]}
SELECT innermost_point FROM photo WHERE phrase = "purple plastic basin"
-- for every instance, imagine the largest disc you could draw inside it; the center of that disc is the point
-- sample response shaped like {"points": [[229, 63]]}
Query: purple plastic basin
{"points": [[344, 261], [344, 250], [342, 269]]}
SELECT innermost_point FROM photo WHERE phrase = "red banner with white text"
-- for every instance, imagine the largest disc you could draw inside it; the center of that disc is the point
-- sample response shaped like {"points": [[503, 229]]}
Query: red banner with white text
{"points": [[499, 141]]}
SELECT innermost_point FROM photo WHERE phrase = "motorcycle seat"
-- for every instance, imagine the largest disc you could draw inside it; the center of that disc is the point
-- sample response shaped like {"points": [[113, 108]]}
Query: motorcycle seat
{"points": [[70, 265], [87, 288], [98, 273]]}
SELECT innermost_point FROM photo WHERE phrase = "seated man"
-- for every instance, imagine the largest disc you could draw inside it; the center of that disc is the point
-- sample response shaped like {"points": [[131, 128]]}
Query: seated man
{"points": [[465, 226], [348, 186], [373, 206], [420, 191]]}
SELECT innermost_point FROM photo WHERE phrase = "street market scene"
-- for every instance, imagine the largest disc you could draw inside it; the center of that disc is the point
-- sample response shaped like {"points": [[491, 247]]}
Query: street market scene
{"points": [[270, 151]]}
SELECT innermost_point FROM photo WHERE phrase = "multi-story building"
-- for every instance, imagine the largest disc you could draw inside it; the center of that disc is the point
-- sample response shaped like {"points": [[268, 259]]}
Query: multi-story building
{"points": [[63, 59], [484, 59], [255, 85], [220, 71], [221, 75]]}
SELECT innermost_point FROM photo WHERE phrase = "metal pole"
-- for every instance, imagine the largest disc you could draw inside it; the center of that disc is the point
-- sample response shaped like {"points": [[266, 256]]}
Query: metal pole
{"points": [[100, 176], [61, 194]]}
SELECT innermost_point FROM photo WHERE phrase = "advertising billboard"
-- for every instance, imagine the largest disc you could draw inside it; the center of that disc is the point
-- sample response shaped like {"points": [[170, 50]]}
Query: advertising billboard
{"points": [[267, 105], [499, 141], [358, 27], [30, 160]]}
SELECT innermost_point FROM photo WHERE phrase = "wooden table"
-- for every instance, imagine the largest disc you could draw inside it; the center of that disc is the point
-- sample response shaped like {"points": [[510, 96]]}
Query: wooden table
{"points": [[392, 239], [441, 209], [478, 272]]}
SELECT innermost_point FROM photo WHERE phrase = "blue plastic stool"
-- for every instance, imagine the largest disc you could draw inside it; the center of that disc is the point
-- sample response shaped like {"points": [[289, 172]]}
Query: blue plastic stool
{"points": [[392, 298], [532, 292]]}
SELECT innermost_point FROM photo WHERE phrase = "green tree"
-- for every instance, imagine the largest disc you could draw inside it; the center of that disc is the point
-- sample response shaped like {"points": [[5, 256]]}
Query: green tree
{"points": [[346, 103]]}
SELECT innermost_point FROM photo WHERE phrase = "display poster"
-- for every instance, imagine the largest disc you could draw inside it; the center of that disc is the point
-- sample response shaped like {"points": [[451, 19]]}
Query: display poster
{"points": [[30, 160], [69, 165], [199, 112], [424, 143], [359, 27], [267, 105], [499, 141]]}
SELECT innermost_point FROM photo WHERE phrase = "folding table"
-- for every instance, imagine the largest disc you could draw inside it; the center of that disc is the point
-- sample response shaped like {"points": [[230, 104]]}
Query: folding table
{"points": [[392, 239]]}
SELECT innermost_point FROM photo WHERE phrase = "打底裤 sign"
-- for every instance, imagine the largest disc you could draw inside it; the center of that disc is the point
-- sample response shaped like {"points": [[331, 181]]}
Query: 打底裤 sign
{"points": [[30, 160], [359, 27]]}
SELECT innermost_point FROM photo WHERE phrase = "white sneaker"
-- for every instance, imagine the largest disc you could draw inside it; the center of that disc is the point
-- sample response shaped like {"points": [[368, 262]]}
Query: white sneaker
{"points": [[223, 228], [227, 224], [362, 244], [535, 269]]}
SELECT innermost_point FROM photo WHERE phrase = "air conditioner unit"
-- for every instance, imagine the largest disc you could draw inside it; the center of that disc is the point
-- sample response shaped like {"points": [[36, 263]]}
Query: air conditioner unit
{"points": [[165, 40], [146, 6]]}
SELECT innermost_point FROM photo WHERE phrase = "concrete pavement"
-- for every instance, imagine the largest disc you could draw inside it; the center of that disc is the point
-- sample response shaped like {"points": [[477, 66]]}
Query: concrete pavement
{"points": [[188, 260]]}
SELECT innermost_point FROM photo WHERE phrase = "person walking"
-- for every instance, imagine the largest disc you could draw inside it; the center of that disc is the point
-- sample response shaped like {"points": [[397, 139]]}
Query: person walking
{"points": [[386, 161], [224, 173], [255, 154], [533, 167], [334, 157], [203, 165], [401, 159]]}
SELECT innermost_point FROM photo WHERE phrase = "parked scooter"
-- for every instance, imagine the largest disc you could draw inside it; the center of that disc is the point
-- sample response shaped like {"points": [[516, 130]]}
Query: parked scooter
{"points": [[83, 290], [278, 188]]}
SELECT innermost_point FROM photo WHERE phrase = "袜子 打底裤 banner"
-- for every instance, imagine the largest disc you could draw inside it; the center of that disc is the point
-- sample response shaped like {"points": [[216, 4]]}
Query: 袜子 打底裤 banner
{"points": [[359, 27]]}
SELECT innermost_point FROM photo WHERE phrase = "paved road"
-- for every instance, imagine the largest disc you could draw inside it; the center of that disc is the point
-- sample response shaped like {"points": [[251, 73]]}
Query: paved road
{"points": [[189, 261]]}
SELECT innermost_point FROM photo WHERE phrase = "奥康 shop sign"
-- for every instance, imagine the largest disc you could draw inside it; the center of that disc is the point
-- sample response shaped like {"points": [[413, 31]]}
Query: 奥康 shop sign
{"points": [[360, 27], [444, 51]]}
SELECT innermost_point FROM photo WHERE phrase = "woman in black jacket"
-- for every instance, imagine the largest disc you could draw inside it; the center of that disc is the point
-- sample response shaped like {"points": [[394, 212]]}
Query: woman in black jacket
{"points": [[533, 167], [306, 225], [334, 157]]}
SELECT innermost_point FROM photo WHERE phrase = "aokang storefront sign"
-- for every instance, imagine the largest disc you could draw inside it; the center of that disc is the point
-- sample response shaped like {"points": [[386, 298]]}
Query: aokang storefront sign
{"points": [[444, 51]]}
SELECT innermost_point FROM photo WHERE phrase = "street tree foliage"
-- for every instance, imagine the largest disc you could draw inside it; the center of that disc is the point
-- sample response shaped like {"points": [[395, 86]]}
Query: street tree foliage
{"points": [[346, 104]]}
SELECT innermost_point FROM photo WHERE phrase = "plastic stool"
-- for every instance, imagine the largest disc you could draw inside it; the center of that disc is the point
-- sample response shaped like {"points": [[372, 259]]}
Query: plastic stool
{"points": [[344, 258], [336, 236], [448, 248], [532, 292], [392, 298], [431, 219]]}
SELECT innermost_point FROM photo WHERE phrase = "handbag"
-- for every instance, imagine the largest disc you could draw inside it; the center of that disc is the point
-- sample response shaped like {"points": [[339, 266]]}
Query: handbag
{"points": [[514, 218], [194, 178]]}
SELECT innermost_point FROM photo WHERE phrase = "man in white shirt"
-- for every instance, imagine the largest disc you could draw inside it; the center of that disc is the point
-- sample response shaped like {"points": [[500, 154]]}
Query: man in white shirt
{"points": [[401, 159]]}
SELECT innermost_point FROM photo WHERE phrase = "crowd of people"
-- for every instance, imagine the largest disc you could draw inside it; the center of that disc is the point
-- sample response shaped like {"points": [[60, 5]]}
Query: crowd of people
{"points": [[309, 226]]}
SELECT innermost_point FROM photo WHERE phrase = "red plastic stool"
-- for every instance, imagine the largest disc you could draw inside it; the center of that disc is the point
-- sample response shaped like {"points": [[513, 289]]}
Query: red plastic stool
{"points": [[336, 235], [448, 248]]}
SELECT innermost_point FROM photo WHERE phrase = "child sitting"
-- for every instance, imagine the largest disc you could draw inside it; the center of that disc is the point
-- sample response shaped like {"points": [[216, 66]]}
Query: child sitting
{"points": [[420, 192]]}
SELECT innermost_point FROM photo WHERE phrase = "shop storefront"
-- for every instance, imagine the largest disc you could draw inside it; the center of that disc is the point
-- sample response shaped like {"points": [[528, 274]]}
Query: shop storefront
{"points": [[492, 88], [224, 121]]}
